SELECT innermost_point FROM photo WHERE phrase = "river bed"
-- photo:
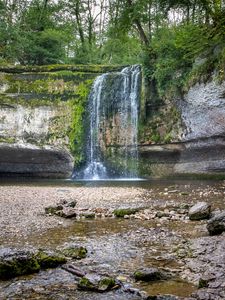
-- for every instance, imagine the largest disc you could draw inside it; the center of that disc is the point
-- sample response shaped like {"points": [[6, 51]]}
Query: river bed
{"points": [[116, 246]]}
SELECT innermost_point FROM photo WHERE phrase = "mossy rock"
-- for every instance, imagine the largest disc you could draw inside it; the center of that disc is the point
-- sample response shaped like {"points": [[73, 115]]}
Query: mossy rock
{"points": [[75, 252], [53, 209], [49, 259], [17, 263], [121, 212], [96, 283]]}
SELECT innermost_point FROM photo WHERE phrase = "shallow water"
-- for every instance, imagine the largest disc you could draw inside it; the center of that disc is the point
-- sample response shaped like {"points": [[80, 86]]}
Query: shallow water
{"points": [[115, 246]]}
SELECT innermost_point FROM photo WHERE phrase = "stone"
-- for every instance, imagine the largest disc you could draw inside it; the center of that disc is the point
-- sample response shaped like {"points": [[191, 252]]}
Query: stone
{"points": [[88, 215], [67, 213], [48, 259], [121, 212], [17, 262], [96, 283], [53, 209], [200, 211], [75, 252], [216, 225], [148, 274], [71, 204]]}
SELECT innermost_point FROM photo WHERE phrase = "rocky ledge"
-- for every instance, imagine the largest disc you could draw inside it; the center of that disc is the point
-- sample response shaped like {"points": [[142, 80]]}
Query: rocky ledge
{"points": [[47, 162]]}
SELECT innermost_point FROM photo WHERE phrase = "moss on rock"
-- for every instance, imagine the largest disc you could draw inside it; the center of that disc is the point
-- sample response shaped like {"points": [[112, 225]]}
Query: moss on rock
{"points": [[75, 252], [121, 212], [49, 259]]}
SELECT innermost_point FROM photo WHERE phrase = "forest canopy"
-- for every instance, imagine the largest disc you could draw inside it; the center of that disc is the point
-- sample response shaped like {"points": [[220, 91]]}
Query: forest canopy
{"points": [[166, 36]]}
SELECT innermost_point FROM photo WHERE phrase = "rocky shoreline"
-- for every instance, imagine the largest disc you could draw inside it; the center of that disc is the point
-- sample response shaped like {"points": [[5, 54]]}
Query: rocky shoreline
{"points": [[154, 221]]}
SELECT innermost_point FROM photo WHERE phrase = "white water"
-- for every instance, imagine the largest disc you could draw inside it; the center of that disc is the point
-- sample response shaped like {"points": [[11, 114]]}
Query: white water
{"points": [[126, 94]]}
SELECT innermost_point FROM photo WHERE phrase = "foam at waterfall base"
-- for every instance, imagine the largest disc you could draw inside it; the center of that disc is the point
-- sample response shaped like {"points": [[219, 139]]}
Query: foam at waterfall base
{"points": [[95, 171]]}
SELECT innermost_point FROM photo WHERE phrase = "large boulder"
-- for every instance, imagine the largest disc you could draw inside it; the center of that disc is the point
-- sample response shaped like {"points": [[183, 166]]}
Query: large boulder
{"points": [[216, 225], [200, 211]]}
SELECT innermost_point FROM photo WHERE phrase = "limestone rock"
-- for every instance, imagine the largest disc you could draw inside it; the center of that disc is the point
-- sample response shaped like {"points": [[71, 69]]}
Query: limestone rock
{"points": [[216, 225], [200, 211]]}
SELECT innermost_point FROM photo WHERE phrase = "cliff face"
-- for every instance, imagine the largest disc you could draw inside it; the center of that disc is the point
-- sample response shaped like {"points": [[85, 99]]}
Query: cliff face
{"points": [[41, 118], [203, 110], [197, 146]]}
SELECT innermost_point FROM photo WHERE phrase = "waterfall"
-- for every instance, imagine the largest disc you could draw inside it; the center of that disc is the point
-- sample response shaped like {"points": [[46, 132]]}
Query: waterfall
{"points": [[113, 123]]}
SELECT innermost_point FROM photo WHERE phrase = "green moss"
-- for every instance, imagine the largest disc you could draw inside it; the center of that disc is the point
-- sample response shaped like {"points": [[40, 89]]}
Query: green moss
{"points": [[48, 260], [56, 68], [203, 283], [8, 140], [106, 284], [77, 126], [18, 267], [121, 212], [75, 252], [85, 284]]}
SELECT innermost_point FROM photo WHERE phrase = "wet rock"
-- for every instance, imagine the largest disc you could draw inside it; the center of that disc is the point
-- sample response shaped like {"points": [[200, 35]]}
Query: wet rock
{"points": [[71, 204], [96, 283], [17, 262], [53, 209], [88, 215], [148, 274], [47, 259], [121, 212], [75, 252], [200, 211], [216, 225], [67, 213]]}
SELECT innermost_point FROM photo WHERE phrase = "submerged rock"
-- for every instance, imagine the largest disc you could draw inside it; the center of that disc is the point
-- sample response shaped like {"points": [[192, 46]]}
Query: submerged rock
{"points": [[200, 211], [216, 225], [148, 274], [96, 283]]}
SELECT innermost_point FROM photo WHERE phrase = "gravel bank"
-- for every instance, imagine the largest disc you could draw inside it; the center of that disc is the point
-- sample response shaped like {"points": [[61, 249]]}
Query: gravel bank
{"points": [[22, 207]]}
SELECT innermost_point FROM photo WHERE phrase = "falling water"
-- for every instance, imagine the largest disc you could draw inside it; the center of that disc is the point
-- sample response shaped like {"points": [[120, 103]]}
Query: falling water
{"points": [[113, 107]]}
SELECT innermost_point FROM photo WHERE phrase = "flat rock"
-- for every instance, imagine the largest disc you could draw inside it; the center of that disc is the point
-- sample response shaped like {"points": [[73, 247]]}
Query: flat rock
{"points": [[200, 211], [216, 225]]}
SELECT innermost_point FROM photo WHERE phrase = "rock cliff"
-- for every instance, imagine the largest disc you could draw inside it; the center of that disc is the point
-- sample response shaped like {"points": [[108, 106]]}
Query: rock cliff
{"points": [[41, 118], [196, 143]]}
